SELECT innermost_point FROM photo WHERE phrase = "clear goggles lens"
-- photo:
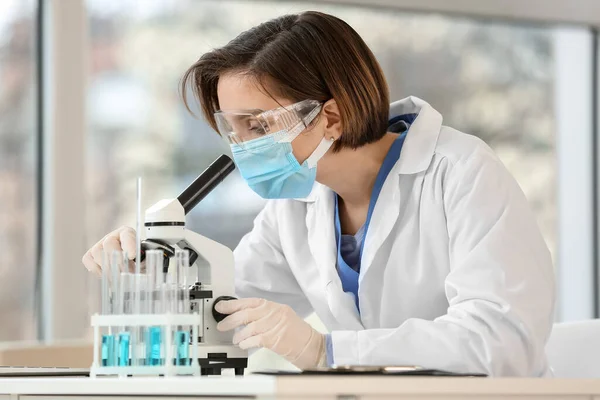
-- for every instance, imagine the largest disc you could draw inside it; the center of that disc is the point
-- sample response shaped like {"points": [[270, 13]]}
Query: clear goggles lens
{"points": [[242, 126]]}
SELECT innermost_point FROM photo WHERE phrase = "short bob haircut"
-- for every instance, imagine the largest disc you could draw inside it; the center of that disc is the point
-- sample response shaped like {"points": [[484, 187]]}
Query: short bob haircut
{"points": [[311, 55]]}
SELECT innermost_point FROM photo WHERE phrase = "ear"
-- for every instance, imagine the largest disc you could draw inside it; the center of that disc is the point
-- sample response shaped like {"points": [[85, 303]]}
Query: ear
{"points": [[333, 120]]}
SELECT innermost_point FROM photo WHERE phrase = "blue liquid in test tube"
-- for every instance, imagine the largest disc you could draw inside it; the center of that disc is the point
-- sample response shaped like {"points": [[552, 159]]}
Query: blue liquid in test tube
{"points": [[124, 349], [108, 350], [182, 340], [153, 345]]}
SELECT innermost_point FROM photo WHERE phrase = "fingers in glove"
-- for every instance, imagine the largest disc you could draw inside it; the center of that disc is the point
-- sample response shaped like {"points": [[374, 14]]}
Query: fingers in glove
{"points": [[232, 306], [110, 245], [271, 333], [97, 253], [252, 342], [258, 327], [242, 317], [127, 239], [242, 312], [90, 264]]}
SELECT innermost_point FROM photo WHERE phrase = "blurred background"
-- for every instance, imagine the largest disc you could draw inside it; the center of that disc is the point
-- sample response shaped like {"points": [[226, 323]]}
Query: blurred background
{"points": [[89, 101]]}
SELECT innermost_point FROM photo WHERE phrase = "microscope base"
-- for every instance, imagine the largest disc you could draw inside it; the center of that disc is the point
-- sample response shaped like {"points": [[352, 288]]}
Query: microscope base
{"points": [[216, 362], [215, 358]]}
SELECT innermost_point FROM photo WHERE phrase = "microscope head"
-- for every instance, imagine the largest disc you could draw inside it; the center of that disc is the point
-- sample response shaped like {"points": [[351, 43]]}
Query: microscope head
{"points": [[165, 221]]}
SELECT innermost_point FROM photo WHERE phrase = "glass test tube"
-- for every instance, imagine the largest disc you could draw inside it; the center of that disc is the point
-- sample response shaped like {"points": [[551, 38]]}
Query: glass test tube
{"points": [[126, 283], [182, 334], [166, 294], [154, 335], [120, 261], [115, 273], [166, 301], [140, 307], [148, 304], [137, 356], [108, 339]]}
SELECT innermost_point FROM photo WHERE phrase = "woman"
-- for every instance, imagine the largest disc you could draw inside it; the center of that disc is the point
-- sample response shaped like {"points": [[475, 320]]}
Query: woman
{"points": [[414, 245]]}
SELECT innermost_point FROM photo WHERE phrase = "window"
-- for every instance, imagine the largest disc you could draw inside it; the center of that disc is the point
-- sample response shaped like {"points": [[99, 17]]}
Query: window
{"points": [[18, 197]]}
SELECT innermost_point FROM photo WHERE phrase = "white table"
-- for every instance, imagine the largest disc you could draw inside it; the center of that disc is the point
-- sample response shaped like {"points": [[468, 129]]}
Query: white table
{"points": [[46, 388], [306, 387]]}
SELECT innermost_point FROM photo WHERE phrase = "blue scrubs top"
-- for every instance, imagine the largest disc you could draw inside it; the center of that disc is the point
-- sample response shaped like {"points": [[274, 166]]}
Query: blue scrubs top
{"points": [[350, 247]]}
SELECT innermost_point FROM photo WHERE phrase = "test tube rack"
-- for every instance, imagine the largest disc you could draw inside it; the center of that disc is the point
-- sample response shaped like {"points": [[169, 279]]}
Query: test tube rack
{"points": [[168, 323]]}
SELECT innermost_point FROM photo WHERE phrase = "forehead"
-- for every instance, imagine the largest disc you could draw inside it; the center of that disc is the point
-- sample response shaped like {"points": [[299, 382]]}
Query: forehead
{"points": [[240, 92]]}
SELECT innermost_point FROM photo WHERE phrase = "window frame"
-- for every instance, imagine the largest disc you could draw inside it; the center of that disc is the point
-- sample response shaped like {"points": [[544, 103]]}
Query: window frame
{"points": [[580, 12], [63, 81]]}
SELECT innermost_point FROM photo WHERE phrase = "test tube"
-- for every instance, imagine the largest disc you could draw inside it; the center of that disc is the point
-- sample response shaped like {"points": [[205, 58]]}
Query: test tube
{"points": [[165, 306], [182, 334], [149, 300], [108, 339], [147, 307], [137, 355], [114, 267], [140, 332], [154, 335], [105, 282], [184, 283], [120, 262], [126, 284], [168, 293], [150, 281]]}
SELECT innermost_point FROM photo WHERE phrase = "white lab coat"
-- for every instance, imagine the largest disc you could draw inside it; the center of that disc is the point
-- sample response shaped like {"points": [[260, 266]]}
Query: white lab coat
{"points": [[455, 274]]}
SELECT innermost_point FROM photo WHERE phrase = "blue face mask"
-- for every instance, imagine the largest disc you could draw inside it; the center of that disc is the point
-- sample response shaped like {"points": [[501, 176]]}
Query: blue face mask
{"points": [[271, 170]]}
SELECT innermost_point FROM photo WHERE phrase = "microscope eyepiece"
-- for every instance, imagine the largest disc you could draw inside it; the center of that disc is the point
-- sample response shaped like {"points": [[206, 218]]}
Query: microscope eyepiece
{"points": [[206, 182]]}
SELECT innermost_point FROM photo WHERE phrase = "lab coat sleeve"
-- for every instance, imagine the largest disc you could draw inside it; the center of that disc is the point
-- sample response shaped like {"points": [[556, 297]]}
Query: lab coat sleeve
{"points": [[261, 269], [500, 287]]}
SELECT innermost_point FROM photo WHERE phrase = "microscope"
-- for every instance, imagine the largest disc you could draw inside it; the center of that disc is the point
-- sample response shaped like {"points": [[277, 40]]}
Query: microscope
{"points": [[165, 230]]}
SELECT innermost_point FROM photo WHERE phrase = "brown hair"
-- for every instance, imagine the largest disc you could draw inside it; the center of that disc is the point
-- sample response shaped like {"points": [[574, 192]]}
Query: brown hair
{"points": [[307, 56]]}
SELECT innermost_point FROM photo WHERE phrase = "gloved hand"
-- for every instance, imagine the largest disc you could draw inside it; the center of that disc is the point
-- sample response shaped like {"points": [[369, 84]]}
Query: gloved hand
{"points": [[275, 327], [117, 240]]}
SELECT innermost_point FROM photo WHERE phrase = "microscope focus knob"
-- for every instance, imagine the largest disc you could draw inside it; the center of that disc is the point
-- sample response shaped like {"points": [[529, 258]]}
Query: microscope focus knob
{"points": [[217, 315]]}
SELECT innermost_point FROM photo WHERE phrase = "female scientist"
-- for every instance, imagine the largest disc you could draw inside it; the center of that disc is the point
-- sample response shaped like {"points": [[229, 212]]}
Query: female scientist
{"points": [[409, 239]]}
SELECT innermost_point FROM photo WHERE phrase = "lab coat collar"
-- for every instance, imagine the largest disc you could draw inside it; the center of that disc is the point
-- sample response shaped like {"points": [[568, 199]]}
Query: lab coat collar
{"points": [[417, 153], [321, 241], [422, 137], [420, 142]]}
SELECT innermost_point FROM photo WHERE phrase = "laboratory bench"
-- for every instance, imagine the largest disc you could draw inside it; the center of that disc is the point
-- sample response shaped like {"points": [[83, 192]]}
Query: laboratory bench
{"points": [[298, 387]]}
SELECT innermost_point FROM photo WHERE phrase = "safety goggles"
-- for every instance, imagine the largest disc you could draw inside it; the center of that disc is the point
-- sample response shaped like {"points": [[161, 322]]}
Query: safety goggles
{"points": [[283, 124]]}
